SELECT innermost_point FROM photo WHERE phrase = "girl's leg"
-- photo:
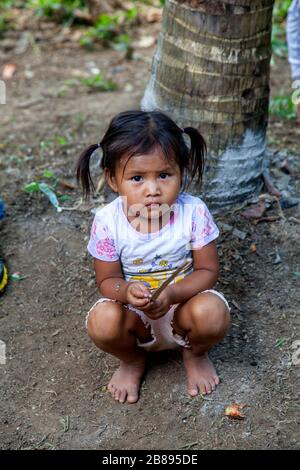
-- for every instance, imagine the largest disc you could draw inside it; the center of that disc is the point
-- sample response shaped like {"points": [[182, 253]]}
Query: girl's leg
{"points": [[205, 320], [114, 329]]}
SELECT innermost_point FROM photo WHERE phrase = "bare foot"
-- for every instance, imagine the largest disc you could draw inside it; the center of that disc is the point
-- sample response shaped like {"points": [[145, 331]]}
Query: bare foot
{"points": [[125, 383], [201, 374]]}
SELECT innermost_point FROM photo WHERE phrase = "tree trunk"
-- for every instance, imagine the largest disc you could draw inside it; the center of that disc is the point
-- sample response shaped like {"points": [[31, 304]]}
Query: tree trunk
{"points": [[211, 71]]}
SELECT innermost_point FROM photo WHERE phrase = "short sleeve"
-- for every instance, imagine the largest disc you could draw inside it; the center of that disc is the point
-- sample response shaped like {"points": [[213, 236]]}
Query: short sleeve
{"points": [[204, 229], [102, 243]]}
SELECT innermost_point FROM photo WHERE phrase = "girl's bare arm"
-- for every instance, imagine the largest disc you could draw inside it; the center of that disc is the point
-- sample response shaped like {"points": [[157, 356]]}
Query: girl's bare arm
{"points": [[111, 283], [205, 275], [110, 280]]}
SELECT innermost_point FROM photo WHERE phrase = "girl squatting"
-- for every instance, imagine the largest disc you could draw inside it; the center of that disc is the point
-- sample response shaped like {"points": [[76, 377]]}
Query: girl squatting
{"points": [[139, 239]]}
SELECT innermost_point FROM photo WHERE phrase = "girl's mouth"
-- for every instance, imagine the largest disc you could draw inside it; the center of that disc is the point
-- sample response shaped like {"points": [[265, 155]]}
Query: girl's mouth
{"points": [[153, 204]]}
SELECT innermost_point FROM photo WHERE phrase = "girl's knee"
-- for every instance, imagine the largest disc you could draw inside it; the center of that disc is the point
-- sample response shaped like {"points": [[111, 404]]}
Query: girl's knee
{"points": [[105, 322], [210, 316]]}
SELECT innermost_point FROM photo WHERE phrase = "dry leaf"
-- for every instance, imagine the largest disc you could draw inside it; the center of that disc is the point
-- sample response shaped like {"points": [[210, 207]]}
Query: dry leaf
{"points": [[269, 186], [286, 167], [255, 212], [67, 184], [8, 71]]}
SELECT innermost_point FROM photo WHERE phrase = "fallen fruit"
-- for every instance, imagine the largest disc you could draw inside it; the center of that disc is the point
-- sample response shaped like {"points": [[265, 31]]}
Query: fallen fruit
{"points": [[233, 411]]}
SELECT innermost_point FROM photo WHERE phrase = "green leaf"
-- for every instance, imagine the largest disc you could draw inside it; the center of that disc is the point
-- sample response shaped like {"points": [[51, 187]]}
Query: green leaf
{"points": [[99, 83], [280, 342], [280, 10], [48, 174], [131, 14], [64, 197], [32, 187], [283, 106], [62, 141]]}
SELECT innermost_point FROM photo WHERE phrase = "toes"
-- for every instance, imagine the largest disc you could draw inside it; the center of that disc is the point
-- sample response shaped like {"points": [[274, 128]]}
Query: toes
{"points": [[202, 388], [192, 390], [122, 396], [212, 385], [132, 396], [216, 379], [208, 387], [117, 395]]}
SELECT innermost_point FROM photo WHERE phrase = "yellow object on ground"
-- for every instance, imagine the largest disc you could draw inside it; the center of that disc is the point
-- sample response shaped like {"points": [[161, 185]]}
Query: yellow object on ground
{"points": [[3, 276]]}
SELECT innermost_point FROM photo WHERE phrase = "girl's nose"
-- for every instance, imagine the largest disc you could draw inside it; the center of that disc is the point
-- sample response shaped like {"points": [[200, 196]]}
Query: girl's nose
{"points": [[152, 188]]}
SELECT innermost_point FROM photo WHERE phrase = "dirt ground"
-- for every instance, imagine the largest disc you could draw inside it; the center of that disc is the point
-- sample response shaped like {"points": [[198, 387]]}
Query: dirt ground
{"points": [[53, 383]]}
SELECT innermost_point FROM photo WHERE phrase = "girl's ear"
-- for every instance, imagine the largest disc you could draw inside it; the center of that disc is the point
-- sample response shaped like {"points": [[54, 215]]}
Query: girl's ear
{"points": [[111, 180]]}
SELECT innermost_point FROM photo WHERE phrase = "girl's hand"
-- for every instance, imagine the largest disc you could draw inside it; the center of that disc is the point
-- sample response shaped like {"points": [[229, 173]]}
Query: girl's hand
{"points": [[137, 294], [160, 306]]}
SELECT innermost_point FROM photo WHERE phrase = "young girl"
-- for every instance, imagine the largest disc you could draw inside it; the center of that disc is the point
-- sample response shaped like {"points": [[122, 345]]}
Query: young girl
{"points": [[139, 240]]}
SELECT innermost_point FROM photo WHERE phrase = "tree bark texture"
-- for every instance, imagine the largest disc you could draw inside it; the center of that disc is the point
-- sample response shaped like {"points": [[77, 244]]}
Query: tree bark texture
{"points": [[211, 71]]}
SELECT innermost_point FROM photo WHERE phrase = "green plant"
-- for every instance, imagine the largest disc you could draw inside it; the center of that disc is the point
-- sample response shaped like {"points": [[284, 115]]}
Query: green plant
{"points": [[283, 106], [99, 83], [48, 189], [60, 10], [61, 141], [5, 18], [3, 25], [280, 342], [280, 10], [7, 4], [279, 45], [110, 30], [105, 30]]}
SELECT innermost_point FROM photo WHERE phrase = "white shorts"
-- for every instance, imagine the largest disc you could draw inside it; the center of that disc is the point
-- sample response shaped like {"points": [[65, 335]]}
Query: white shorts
{"points": [[162, 332]]}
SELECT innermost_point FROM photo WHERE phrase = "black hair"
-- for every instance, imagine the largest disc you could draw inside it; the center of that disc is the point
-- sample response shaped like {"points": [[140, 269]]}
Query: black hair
{"points": [[138, 132]]}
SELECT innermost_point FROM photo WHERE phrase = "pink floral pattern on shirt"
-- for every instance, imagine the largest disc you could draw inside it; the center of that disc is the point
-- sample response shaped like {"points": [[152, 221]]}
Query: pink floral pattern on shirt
{"points": [[203, 226], [208, 227], [103, 242], [94, 230], [106, 247]]}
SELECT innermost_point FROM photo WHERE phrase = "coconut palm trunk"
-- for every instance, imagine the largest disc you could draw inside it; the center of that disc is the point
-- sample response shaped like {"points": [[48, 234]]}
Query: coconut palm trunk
{"points": [[211, 71]]}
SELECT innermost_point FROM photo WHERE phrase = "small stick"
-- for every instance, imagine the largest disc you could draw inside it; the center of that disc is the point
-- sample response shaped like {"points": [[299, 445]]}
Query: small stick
{"points": [[167, 281]]}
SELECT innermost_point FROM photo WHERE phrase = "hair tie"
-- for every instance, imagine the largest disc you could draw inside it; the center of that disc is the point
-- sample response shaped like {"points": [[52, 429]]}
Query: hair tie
{"points": [[182, 129]]}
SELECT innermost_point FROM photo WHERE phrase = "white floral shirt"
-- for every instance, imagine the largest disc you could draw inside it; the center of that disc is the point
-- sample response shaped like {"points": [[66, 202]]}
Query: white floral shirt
{"points": [[152, 257]]}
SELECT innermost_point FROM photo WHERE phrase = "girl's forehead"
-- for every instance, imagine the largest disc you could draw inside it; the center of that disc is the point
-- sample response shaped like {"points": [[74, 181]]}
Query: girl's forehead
{"points": [[149, 161]]}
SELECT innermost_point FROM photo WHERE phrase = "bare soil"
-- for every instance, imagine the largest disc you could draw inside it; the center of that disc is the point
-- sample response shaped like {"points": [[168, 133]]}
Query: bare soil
{"points": [[52, 393]]}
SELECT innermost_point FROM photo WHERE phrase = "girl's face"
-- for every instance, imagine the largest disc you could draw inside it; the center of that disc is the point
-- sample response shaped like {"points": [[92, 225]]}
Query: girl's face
{"points": [[149, 183]]}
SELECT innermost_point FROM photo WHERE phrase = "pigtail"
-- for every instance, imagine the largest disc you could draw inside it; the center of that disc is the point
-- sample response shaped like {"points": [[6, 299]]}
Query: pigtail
{"points": [[83, 174], [197, 154]]}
